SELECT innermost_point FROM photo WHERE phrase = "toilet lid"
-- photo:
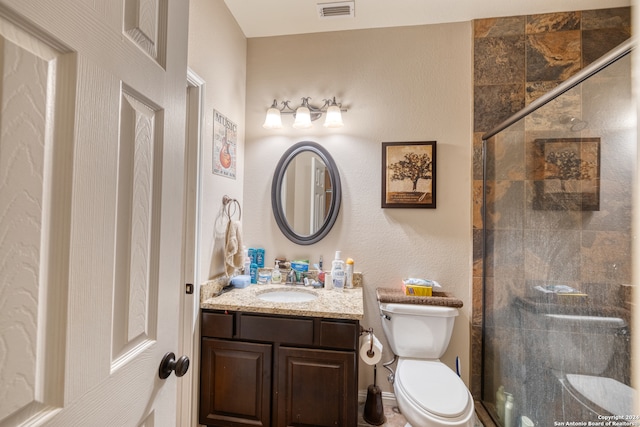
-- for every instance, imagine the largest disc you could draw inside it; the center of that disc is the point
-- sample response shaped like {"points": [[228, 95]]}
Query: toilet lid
{"points": [[432, 386], [611, 395]]}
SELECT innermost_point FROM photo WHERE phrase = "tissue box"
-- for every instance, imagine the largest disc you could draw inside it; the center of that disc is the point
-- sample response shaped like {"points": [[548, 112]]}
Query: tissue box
{"points": [[418, 290], [419, 287]]}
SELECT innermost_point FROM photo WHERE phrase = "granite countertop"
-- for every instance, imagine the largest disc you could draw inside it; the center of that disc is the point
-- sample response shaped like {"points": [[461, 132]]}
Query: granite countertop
{"points": [[334, 304]]}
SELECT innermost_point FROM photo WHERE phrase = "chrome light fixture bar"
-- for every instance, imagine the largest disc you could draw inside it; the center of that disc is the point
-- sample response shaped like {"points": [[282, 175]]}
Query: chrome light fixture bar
{"points": [[305, 114]]}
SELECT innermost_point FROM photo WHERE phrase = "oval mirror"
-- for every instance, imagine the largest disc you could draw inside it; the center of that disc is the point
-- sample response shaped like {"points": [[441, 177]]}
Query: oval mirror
{"points": [[306, 193]]}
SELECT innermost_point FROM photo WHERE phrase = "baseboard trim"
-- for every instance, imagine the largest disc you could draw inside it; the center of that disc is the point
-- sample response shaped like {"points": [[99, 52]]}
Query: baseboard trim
{"points": [[388, 398]]}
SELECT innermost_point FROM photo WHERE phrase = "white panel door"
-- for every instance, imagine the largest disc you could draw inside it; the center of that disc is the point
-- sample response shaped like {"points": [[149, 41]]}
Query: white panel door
{"points": [[92, 120]]}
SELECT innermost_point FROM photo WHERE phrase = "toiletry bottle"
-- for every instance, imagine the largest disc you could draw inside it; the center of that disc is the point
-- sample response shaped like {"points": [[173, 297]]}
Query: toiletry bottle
{"points": [[509, 411], [320, 271], [247, 261], [337, 272], [260, 257], [276, 275], [328, 281], [254, 272], [500, 401], [349, 274]]}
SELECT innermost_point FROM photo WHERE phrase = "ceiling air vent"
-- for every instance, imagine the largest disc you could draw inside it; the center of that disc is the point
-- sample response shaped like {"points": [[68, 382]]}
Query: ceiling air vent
{"points": [[336, 10]]}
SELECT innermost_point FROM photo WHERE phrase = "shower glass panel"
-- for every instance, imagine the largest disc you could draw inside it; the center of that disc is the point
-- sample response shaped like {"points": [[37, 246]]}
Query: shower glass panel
{"points": [[557, 261]]}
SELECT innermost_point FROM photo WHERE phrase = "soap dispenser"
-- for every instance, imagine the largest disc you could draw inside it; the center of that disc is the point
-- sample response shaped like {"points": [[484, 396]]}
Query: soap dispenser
{"points": [[276, 275]]}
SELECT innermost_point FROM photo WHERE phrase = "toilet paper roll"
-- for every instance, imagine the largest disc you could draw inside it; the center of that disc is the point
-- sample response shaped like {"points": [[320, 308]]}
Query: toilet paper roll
{"points": [[371, 354]]}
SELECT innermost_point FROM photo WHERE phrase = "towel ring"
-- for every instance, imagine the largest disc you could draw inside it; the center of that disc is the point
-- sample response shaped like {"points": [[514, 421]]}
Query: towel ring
{"points": [[230, 204]]}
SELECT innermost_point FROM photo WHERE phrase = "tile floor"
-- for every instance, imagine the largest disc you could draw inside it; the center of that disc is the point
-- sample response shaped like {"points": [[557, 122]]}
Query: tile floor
{"points": [[393, 418]]}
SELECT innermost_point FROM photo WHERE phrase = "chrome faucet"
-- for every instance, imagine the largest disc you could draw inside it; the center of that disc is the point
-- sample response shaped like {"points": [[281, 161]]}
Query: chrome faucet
{"points": [[291, 278]]}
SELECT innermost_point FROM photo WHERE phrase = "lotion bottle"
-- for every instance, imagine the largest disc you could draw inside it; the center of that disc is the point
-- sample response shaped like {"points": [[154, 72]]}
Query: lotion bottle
{"points": [[508, 411], [337, 272]]}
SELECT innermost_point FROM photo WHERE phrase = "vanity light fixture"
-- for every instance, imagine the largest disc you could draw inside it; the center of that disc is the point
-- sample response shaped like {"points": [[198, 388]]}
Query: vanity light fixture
{"points": [[305, 114]]}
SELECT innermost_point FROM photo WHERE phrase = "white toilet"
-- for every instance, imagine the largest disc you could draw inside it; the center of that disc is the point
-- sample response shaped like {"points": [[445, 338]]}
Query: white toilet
{"points": [[428, 392], [580, 370]]}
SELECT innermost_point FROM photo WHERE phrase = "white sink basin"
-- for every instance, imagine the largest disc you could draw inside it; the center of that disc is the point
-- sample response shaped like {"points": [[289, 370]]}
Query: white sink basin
{"points": [[288, 295]]}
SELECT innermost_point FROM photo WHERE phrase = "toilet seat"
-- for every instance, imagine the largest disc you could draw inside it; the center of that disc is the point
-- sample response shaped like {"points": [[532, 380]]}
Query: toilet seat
{"points": [[433, 387], [611, 395]]}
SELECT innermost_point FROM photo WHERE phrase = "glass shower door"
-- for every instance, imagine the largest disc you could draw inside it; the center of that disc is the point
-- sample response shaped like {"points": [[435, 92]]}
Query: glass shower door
{"points": [[557, 276]]}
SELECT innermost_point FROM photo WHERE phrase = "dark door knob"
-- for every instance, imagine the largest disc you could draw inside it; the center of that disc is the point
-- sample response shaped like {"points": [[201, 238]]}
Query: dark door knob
{"points": [[169, 363]]}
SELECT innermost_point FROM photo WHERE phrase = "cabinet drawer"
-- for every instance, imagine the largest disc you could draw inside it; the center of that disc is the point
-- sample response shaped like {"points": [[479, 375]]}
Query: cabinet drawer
{"points": [[339, 335], [217, 325], [276, 329]]}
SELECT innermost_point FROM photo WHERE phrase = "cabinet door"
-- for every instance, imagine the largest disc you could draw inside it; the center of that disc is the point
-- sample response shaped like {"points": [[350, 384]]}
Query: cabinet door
{"points": [[235, 383], [316, 388]]}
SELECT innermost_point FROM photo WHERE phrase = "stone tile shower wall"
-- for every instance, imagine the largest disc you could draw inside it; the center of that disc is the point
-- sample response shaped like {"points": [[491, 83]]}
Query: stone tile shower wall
{"points": [[517, 59]]}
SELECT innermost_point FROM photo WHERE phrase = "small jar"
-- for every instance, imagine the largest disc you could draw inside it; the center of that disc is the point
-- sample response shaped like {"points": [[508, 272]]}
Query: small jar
{"points": [[264, 277]]}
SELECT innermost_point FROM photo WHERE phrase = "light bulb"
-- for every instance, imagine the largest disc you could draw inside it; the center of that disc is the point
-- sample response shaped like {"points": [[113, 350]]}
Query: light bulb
{"points": [[273, 119], [303, 118], [334, 117]]}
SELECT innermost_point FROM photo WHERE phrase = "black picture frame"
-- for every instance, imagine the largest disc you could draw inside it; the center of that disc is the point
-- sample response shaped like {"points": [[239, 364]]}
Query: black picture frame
{"points": [[409, 174]]}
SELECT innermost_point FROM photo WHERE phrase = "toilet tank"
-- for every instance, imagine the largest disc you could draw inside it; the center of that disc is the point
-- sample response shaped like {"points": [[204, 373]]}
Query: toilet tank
{"points": [[581, 344], [417, 331]]}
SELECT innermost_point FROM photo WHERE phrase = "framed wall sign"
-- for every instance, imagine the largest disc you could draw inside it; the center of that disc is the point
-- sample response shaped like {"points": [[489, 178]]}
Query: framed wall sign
{"points": [[225, 138], [409, 174]]}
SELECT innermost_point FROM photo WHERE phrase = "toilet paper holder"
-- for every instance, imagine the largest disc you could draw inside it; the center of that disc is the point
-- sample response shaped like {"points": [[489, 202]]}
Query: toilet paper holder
{"points": [[370, 332], [373, 408], [386, 365]]}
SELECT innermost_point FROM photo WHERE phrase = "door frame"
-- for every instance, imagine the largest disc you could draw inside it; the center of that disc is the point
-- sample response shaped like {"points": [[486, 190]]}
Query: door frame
{"points": [[187, 408]]}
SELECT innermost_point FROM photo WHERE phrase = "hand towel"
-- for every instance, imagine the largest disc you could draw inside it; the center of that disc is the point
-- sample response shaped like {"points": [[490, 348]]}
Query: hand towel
{"points": [[233, 254]]}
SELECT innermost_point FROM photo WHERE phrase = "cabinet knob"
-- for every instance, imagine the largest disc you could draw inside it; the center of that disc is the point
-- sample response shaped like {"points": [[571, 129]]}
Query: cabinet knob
{"points": [[169, 363]]}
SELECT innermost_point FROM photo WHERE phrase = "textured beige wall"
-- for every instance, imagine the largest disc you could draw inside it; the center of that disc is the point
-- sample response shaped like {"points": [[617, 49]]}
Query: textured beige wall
{"points": [[399, 84], [217, 53]]}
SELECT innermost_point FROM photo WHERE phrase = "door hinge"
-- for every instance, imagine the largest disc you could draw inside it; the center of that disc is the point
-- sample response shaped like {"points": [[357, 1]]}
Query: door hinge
{"points": [[188, 288]]}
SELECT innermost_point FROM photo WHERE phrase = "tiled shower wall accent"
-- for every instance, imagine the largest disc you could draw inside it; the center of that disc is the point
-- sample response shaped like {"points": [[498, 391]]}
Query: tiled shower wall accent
{"points": [[517, 59]]}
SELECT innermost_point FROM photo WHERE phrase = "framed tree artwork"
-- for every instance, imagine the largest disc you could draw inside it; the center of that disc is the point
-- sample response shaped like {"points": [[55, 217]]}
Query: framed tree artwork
{"points": [[567, 174], [409, 174]]}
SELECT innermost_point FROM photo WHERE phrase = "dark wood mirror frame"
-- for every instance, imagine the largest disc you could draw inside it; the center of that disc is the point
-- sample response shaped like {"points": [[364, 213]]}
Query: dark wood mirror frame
{"points": [[276, 192]]}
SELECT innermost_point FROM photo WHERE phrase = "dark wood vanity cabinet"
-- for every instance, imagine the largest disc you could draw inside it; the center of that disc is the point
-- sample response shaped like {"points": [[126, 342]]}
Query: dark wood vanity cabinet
{"points": [[235, 383], [272, 370]]}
